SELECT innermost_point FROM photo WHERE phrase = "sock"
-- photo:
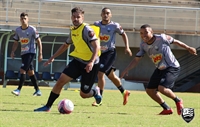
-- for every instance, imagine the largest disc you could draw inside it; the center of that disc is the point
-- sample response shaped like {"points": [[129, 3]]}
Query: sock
{"points": [[121, 89], [165, 106], [101, 92], [34, 81], [21, 81], [177, 100], [94, 92], [52, 98]]}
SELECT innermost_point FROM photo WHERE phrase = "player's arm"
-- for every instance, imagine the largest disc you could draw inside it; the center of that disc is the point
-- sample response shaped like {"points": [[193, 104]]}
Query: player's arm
{"points": [[62, 48], [131, 65], [126, 42], [39, 43], [120, 31], [183, 45], [14, 48], [96, 48]]}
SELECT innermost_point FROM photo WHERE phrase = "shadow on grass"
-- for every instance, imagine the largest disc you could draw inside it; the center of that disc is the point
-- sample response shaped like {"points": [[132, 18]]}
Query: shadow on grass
{"points": [[14, 110], [15, 103], [57, 113]]}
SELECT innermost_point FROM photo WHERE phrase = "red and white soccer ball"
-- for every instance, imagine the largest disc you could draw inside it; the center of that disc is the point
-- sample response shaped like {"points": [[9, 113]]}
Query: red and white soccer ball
{"points": [[65, 106]]}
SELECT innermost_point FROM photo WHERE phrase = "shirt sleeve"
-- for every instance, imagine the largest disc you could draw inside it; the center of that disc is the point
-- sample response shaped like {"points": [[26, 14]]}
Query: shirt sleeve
{"points": [[119, 29], [141, 52], [89, 34], [69, 40], [16, 37], [167, 38], [36, 34]]}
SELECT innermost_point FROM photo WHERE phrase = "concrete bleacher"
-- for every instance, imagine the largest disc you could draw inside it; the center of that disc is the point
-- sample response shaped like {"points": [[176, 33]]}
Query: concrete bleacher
{"points": [[182, 3], [57, 14]]}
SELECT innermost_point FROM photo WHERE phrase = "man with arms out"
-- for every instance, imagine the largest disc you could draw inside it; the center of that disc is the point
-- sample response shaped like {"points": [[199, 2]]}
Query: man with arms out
{"points": [[27, 35], [108, 56], [167, 69], [85, 63]]}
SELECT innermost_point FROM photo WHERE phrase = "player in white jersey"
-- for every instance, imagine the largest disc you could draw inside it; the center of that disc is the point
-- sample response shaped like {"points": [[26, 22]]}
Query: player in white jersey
{"points": [[167, 69], [108, 52], [27, 35]]}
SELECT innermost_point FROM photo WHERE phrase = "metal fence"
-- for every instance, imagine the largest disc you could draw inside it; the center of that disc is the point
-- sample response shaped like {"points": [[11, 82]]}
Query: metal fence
{"points": [[57, 13]]}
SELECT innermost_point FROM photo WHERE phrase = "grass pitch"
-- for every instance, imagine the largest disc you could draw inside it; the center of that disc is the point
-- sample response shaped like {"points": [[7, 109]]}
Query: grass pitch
{"points": [[140, 111]]}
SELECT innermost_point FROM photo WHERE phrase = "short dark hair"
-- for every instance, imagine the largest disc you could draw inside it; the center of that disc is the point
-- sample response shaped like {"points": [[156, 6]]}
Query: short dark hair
{"points": [[23, 14], [145, 26], [104, 9], [77, 9]]}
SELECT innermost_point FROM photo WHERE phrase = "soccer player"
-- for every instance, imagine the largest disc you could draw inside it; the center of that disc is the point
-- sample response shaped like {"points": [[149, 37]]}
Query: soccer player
{"points": [[108, 56], [85, 63], [27, 35], [157, 47]]}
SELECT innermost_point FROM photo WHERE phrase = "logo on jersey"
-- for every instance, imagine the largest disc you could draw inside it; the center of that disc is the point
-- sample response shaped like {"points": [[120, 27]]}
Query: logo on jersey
{"points": [[23, 49], [91, 34], [75, 35], [108, 29], [104, 38], [156, 58], [187, 114], [24, 41]]}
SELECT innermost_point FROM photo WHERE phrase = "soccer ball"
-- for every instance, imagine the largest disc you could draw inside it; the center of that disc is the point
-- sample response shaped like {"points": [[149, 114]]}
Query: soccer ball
{"points": [[65, 106]]}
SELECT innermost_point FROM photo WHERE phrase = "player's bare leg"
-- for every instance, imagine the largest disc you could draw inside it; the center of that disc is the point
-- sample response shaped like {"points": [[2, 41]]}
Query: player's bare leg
{"points": [[117, 82]]}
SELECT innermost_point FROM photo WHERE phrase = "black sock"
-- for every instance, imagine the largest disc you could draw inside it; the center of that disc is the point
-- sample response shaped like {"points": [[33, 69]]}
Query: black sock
{"points": [[21, 81], [94, 92], [121, 89], [101, 92], [177, 100], [52, 98], [165, 106], [34, 81]]}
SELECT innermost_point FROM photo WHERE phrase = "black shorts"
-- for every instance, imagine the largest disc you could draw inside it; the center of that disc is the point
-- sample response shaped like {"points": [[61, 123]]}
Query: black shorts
{"points": [[107, 60], [75, 69], [27, 61], [164, 78]]}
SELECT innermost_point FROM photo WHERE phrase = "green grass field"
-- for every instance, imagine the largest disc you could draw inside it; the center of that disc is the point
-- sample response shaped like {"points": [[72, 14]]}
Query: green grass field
{"points": [[141, 111]]}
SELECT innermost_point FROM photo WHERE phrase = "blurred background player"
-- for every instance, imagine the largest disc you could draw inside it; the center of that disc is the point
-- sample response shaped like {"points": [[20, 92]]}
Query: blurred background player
{"points": [[85, 63], [27, 35], [108, 52], [167, 69]]}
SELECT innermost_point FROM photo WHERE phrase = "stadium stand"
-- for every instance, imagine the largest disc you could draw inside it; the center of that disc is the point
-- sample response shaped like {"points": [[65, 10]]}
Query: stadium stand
{"points": [[129, 15], [182, 3]]}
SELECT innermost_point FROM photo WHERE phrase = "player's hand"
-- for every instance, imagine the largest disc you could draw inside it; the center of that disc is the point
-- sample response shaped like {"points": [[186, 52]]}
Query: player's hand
{"points": [[40, 57], [192, 50], [89, 67], [125, 72], [127, 50], [12, 55], [48, 62]]}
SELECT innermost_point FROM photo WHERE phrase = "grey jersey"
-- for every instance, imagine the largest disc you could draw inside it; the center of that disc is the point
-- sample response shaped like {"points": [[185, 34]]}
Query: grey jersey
{"points": [[88, 36], [108, 33], [159, 52], [27, 39]]}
